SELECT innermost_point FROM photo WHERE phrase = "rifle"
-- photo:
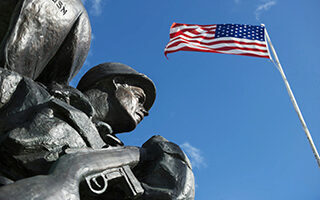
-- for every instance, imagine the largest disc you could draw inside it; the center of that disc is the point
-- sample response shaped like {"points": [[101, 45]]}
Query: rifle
{"points": [[78, 164], [135, 188], [98, 182]]}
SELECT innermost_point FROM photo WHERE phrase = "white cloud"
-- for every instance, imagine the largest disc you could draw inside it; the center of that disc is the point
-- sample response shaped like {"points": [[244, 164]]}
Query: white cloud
{"points": [[194, 154], [264, 7], [95, 6], [237, 1]]}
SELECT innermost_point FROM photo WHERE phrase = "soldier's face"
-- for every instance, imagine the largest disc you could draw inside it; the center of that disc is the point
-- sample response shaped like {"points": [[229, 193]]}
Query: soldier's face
{"points": [[120, 105], [132, 99]]}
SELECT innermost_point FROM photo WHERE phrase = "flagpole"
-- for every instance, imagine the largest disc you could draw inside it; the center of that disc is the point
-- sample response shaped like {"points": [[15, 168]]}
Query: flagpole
{"points": [[293, 100]]}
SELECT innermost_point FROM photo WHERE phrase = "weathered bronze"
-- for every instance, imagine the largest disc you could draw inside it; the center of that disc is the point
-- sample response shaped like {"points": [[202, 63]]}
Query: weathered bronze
{"points": [[45, 40], [133, 94], [59, 142]]}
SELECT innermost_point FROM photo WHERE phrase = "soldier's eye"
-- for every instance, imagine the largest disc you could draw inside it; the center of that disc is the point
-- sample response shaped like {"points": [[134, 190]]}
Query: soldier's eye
{"points": [[141, 98]]}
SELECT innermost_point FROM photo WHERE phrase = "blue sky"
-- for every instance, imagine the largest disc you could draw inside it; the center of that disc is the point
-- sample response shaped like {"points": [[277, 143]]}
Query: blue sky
{"points": [[231, 114]]}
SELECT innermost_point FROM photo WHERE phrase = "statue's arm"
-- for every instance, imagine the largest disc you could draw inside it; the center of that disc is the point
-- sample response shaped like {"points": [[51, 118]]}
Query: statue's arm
{"points": [[72, 53], [8, 84], [41, 31], [63, 182]]}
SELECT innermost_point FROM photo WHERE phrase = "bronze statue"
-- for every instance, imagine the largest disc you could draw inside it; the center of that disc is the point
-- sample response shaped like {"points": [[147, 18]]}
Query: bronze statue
{"points": [[39, 125], [134, 91], [59, 142], [45, 40]]}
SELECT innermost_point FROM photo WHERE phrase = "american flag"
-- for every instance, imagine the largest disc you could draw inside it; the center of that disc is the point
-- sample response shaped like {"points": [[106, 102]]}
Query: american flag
{"points": [[238, 39]]}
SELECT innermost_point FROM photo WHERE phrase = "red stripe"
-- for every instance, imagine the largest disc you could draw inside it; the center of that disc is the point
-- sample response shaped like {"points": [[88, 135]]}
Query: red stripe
{"points": [[240, 48], [220, 48], [218, 42], [209, 30], [227, 40], [175, 25], [193, 31], [237, 42], [173, 35], [197, 32], [214, 43], [212, 51]]}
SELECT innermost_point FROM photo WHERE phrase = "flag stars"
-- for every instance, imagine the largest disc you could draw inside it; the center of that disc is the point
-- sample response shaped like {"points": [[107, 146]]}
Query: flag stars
{"points": [[240, 31]]}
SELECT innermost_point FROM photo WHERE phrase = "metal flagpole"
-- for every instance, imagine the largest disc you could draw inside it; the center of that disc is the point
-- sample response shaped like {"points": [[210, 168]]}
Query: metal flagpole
{"points": [[293, 100]]}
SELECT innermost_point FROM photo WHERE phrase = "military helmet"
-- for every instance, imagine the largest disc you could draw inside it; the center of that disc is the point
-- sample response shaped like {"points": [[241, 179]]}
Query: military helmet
{"points": [[107, 71]]}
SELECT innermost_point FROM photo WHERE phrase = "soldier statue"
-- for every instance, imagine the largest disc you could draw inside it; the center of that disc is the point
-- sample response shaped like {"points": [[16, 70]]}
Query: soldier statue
{"points": [[59, 142]]}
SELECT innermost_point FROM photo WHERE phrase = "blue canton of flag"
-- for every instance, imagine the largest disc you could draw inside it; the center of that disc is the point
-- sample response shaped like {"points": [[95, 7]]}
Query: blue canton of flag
{"points": [[240, 31]]}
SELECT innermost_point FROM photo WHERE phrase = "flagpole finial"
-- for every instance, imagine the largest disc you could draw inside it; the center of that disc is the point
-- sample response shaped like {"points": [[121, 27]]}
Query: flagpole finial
{"points": [[263, 25]]}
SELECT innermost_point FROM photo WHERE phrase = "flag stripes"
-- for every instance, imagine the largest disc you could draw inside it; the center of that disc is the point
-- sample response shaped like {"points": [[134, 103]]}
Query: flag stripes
{"points": [[218, 38]]}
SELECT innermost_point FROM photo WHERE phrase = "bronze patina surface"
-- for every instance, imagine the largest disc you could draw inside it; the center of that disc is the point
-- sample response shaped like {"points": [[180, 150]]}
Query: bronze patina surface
{"points": [[59, 142]]}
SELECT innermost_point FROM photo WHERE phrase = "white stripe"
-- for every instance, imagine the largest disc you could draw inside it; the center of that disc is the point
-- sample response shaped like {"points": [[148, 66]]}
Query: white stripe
{"points": [[240, 40], [200, 30], [234, 51], [237, 51], [196, 35], [179, 28], [183, 45], [192, 37], [218, 39], [203, 41], [215, 46]]}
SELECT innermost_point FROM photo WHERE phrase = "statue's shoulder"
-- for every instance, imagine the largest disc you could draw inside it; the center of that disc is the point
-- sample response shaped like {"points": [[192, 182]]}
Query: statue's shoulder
{"points": [[16, 86]]}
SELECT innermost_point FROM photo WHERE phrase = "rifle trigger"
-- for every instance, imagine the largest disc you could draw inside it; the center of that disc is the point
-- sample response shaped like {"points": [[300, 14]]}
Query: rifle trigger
{"points": [[94, 179], [96, 182]]}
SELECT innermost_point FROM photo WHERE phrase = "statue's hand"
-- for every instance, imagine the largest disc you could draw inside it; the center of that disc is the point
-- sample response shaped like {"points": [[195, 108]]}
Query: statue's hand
{"points": [[164, 171], [67, 173]]}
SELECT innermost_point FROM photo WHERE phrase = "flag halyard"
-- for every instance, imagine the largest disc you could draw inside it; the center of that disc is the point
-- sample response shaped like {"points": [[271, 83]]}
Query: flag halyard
{"points": [[247, 40]]}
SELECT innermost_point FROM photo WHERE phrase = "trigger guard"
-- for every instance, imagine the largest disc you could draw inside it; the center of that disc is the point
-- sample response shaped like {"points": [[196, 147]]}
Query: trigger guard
{"points": [[98, 191]]}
